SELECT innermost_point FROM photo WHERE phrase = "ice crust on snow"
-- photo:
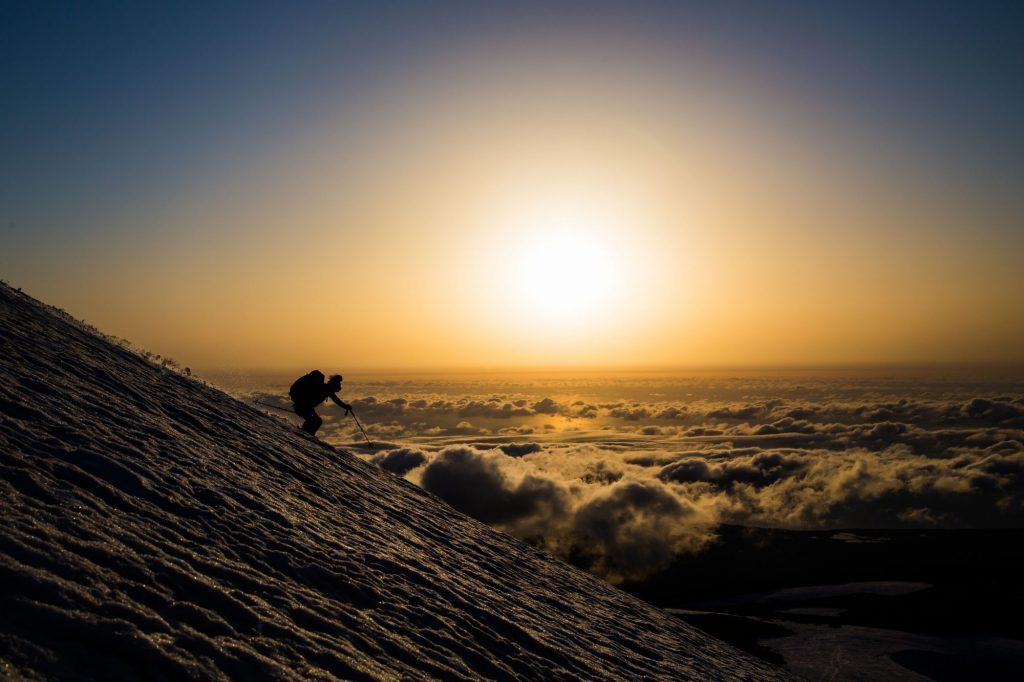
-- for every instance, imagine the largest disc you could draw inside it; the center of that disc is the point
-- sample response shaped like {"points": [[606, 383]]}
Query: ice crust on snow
{"points": [[156, 528]]}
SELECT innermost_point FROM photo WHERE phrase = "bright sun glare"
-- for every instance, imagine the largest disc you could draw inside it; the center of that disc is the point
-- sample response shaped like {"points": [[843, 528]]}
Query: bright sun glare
{"points": [[565, 273], [563, 269]]}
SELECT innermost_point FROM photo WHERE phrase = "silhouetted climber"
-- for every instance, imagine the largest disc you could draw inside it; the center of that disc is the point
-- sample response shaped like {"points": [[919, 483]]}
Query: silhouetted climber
{"points": [[310, 390]]}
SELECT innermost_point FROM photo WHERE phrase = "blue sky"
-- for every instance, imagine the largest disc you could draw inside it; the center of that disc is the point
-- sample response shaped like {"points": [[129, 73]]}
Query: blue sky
{"points": [[107, 101]]}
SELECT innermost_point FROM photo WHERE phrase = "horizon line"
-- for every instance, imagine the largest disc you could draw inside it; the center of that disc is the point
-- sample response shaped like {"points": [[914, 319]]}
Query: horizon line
{"points": [[630, 368]]}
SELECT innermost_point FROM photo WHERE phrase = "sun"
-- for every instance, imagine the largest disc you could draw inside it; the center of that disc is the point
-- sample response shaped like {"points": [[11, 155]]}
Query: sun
{"points": [[565, 273], [563, 269]]}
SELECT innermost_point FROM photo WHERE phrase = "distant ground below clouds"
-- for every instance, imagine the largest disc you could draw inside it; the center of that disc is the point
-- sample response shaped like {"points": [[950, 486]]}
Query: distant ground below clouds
{"points": [[623, 472]]}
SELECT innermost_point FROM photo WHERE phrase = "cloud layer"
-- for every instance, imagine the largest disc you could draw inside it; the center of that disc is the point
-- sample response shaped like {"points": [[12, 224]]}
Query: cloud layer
{"points": [[625, 485]]}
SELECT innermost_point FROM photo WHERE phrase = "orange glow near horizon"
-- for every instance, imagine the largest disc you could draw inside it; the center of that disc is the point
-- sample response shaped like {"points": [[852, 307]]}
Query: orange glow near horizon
{"points": [[490, 212]]}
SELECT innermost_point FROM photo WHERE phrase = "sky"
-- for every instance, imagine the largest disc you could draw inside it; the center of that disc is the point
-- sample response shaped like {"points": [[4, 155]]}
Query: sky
{"points": [[455, 184]]}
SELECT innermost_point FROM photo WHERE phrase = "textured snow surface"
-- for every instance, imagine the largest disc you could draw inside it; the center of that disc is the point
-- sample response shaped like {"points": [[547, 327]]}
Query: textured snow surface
{"points": [[154, 527]]}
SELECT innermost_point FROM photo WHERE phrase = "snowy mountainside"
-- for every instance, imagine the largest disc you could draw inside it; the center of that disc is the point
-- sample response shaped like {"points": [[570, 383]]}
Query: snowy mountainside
{"points": [[156, 528]]}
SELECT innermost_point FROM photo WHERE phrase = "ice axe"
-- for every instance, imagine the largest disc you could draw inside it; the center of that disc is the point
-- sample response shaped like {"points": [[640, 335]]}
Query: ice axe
{"points": [[361, 429]]}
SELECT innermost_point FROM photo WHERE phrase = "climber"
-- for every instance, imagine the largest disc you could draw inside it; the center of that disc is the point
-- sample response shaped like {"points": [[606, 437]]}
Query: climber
{"points": [[309, 391]]}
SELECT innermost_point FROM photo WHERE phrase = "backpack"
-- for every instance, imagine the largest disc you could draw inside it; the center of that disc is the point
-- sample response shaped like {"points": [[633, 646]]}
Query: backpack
{"points": [[306, 388]]}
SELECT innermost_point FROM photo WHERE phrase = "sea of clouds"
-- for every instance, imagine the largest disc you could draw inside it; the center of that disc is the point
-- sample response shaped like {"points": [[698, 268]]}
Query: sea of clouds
{"points": [[623, 474]]}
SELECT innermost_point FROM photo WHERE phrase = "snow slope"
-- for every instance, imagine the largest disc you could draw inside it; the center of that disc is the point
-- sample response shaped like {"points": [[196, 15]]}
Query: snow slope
{"points": [[154, 527]]}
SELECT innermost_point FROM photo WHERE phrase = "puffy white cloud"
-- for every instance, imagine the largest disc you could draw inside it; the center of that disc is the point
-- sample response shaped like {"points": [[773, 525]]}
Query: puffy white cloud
{"points": [[520, 449], [619, 528], [400, 461], [477, 483], [632, 528]]}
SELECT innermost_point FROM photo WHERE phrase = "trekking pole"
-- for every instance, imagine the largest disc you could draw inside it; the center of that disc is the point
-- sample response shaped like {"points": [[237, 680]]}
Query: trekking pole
{"points": [[283, 409], [361, 429]]}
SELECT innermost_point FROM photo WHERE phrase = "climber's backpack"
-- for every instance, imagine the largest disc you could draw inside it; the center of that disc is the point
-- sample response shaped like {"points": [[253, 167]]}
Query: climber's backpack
{"points": [[306, 388]]}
